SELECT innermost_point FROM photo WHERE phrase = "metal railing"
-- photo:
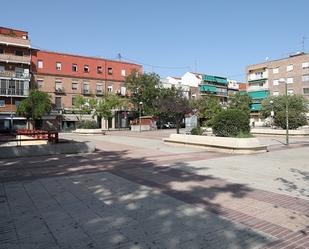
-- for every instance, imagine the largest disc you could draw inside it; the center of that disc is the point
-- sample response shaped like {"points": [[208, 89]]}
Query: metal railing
{"points": [[15, 58], [15, 92], [11, 74]]}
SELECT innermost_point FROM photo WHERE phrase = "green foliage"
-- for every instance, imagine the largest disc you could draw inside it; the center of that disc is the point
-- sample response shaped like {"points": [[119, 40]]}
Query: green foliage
{"points": [[244, 135], [297, 108], [83, 105], [171, 104], [87, 124], [35, 106], [197, 131], [240, 102], [207, 108], [230, 123], [107, 104], [144, 88]]}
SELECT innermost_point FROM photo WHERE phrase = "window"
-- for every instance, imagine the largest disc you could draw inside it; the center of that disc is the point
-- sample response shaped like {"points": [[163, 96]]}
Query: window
{"points": [[40, 64], [109, 71], [1, 68], [275, 70], [99, 70], [58, 86], [99, 89], [58, 102], [275, 82], [19, 53], [306, 90], [289, 80], [276, 93], [305, 65], [40, 83], [305, 78], [110, 88], [1, 51], [86, 68], [58, 65], [74, 85], [73, 100], [123, 90], [74, 67], [123, 72], [290, 92], [2, 103], [86, 88], [289, 68]]}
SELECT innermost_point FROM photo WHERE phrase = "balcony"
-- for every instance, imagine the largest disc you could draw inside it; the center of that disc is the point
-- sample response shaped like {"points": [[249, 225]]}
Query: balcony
{"points": [[99, 93], [14, 75], [86, 92], [14, 92], [26, 59], [59, 90], [257, 88], [14, 41]]}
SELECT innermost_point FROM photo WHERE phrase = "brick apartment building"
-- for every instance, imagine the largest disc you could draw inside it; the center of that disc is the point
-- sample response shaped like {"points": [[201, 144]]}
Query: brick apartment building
{"points": [[269, 78], [63, 76], [15, 60]]}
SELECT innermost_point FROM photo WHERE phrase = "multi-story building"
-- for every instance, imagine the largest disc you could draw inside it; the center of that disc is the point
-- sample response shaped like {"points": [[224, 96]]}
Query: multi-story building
{"points": [[64, 76], [176, 82], [15, 60], [270, 78]]}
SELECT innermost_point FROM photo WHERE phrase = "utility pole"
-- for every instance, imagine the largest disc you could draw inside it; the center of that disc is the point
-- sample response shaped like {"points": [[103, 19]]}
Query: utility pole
{"points": [[286, 113]]}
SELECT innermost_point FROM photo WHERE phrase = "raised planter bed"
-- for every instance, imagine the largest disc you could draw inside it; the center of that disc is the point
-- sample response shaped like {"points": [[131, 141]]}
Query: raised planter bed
{"points": [[219, 144], [278, 132]]}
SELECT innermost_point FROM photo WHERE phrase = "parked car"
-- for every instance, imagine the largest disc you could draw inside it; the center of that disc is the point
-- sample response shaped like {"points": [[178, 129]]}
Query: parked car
{"points": [[169, 125]]}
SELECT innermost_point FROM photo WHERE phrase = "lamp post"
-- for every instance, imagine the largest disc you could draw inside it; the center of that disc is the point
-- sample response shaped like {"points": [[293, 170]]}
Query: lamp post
{"points": [[11, 93], [286, 111], [140, 116]]}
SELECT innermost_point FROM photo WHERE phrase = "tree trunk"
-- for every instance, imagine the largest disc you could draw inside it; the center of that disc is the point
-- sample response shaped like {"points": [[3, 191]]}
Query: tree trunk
{"points": [[177, 125]]}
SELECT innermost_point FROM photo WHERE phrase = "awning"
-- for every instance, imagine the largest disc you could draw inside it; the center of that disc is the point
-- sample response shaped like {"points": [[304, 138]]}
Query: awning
{"points": [[259, 94], [208, 88], [216, 79], [256, 107], [257, 81]]}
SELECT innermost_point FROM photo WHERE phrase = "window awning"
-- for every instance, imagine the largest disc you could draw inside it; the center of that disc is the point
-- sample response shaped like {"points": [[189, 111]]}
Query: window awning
{"points": [[208, 88], [259, 94], [216, 79], [256, 107]]}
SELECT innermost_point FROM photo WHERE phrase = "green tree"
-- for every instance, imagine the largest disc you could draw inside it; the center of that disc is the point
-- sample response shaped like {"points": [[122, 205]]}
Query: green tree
{"points": [[172, 104], [82, 105], [240, 102], [144, 88], [207, 108], [297, 107], [108, 103], [35, 106], [230, 123]]}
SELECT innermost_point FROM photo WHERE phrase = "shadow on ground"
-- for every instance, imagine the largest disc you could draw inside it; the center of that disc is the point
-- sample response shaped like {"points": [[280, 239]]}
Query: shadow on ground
{"points": [[125, 203]]}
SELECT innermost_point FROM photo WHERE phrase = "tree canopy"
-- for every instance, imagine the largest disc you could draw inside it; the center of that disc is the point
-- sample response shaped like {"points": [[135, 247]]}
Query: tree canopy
{"points": [[144, 88], [35, 106], [297, 108], [240, 102]]}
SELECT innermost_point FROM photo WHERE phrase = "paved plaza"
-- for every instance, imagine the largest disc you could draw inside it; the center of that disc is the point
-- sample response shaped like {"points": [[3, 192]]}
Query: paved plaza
{"points": [[137, 192]]}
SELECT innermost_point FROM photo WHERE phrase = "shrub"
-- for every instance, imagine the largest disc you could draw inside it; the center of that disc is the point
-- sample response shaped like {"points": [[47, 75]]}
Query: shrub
{"points": [[196, 131], [87, 124], [295, 119], [230, 123]]}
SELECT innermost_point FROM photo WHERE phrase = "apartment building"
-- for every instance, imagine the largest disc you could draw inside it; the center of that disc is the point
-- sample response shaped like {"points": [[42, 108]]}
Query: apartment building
{"points": [[269, 79], [176, 82], [15, 60], [64, 76]]}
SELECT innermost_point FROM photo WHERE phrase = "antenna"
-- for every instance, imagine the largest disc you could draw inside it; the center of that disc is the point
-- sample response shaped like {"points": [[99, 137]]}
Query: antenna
{"points": [[119, 56], [303, 43]]}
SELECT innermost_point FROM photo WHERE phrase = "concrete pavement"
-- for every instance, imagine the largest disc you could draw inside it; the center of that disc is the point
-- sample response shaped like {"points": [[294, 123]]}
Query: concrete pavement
{"points": [[136, 192]]}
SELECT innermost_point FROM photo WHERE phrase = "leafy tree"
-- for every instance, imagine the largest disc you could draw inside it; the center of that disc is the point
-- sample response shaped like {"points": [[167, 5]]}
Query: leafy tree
{"points": [[172, 104], [207, 108], [83, 105], [230, 123], [144, 88], [240, 102], [107, 104], [297, 107], [35, 106]]}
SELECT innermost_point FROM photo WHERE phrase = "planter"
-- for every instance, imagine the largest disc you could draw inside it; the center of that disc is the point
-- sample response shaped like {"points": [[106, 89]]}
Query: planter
{"points": [[219, 144], [89, 131]]}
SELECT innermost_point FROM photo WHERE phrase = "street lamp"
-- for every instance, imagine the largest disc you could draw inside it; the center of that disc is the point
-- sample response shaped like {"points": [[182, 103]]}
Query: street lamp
{"points": [[140, 116], [11, 93], [286, 111]]}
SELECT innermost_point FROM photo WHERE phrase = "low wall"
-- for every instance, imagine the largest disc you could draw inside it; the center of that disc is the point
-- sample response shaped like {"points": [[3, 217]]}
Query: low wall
{"points": [[142, 128], [46, 149], [278, 132], [89, 131], [219, 144]]}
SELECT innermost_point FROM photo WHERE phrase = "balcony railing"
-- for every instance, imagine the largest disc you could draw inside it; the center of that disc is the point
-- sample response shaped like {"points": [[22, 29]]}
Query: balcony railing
{"points": [[14, 92], [59, 90], [99, 92], [16, 75], [15, 41], [86, 91], [25, 59]]}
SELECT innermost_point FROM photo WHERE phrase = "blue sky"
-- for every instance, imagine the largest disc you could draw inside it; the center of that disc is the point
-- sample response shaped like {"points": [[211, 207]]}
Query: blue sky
{"points": [[168, 37]]}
